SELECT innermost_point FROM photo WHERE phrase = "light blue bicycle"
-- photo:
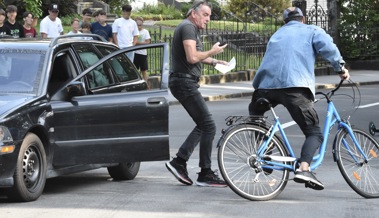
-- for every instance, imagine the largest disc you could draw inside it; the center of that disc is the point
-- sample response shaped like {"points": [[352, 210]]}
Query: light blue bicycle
{"points": [[255, 158]]}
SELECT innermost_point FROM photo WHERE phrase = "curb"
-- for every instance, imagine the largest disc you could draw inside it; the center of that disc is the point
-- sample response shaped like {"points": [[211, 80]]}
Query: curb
{"points": [[248, 94]]}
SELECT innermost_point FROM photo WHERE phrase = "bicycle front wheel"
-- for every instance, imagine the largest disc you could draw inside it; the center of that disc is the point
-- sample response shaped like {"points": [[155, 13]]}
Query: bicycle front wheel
{"points": [[245, 174], [361, 175]]}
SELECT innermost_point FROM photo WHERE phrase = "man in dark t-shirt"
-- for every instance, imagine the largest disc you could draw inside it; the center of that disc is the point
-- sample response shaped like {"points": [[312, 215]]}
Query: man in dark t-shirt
{"points": [[17, 30], [100, 27], [187, 56]]}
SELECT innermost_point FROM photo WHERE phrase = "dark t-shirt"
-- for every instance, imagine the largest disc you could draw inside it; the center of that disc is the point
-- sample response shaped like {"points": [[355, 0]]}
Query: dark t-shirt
{"points": [[4, 30], [17, 30], [104, 31], [185, 30]]}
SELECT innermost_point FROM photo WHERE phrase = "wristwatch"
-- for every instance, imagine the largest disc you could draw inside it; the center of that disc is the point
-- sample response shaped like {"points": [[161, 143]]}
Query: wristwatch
{"points": [[213, 62]]}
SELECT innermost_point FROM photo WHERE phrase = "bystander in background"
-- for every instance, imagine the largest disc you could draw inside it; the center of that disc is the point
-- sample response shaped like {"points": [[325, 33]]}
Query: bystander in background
{"points": [[86, 16], [100, 27], [29, 30], [17, 31], [125, 31], [74, 27], [51, 25], [140, 56], [4, 30]]}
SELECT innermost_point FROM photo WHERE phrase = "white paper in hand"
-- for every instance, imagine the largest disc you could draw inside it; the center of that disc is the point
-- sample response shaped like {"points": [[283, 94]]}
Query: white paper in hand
{"points": [[226, 68]]}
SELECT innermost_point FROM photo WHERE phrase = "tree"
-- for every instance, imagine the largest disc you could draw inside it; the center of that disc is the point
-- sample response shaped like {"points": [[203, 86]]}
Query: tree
{"points": [[245, 9], [116, 5], [40, 7], [359, 28], [34, 6]]}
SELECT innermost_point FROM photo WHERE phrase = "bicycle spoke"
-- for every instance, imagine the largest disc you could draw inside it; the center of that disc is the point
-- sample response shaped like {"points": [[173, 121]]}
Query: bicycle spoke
{"points": [[244, 171], [362, 175]]}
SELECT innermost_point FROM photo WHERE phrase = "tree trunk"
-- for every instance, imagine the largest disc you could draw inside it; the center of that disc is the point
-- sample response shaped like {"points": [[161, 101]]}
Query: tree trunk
{"points": [[333, 15]]}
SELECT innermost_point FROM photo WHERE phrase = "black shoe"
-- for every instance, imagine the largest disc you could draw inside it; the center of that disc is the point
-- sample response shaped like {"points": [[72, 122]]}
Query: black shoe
{"points": [[179, 171], [309, 179], [210, 179]]}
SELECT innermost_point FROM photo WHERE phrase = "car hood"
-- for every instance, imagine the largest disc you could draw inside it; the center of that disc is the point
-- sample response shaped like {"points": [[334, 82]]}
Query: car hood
{"points": [[9, 102]]}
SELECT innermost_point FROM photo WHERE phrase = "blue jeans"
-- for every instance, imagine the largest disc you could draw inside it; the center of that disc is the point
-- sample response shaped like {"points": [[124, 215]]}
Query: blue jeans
{"points": [[186, 91], [299, 103]]}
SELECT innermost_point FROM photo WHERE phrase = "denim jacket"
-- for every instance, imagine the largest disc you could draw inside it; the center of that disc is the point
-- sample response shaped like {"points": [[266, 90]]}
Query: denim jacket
{"points": [[290, 57]]}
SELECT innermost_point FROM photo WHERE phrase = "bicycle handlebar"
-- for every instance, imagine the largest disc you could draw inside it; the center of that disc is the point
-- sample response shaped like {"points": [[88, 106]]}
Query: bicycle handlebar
{"points": [[331, 93]]}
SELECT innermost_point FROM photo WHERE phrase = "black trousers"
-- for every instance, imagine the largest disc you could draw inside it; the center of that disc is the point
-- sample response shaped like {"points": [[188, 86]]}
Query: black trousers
{"points": [[300, 105], [186, 91]]}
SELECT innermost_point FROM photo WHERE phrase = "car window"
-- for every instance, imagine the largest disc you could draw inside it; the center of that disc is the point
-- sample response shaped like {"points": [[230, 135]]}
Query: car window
{"points": [[98, 77], [20, 70], [62, 71], [122, 66]]}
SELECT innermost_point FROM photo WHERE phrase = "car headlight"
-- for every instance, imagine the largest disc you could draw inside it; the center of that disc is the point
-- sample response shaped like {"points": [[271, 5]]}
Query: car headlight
{"points": [[5, 136]]}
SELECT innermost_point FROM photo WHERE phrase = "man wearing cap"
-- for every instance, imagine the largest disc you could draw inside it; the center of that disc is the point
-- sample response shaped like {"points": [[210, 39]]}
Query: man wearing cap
{"points": [[51, 25], [125, 30], [286, 76], [17, 31]]}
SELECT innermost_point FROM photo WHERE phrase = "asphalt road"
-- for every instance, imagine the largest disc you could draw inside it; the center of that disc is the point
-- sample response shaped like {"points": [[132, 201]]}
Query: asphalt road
{"points": [[155, 192]]}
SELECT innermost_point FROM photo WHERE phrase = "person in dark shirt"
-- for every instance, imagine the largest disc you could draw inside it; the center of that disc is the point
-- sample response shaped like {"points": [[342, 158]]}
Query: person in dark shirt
{"points": [[17, 30], [187, 57], [29, 30], [4, 30], [101, 27]]}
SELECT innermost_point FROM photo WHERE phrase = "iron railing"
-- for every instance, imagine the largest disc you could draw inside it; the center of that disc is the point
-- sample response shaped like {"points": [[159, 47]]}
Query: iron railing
{"points": [[246, 40]]}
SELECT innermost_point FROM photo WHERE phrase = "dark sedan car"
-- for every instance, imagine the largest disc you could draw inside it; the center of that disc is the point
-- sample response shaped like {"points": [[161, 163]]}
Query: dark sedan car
{"points": [[69, 105]]}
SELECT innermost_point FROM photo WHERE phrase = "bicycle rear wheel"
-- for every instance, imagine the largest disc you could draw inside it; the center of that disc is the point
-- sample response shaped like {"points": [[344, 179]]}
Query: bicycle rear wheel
{"points": [[244, 173], [362, 176]]}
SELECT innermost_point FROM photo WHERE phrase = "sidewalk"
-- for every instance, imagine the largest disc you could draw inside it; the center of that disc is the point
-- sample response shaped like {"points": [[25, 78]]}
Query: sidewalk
{"points": [[220, 91]]}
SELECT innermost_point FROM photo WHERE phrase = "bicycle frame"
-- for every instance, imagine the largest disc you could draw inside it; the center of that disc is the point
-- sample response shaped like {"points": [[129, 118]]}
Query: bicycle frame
{"points": [[256, 159], [332, 117]]}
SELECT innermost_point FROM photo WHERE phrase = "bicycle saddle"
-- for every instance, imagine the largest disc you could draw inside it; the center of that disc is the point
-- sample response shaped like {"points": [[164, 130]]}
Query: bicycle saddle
{"points": [[262, 104]]}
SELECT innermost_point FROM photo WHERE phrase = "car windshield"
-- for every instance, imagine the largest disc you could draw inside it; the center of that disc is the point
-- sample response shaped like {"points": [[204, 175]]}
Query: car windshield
{"points": [[20, 70]]}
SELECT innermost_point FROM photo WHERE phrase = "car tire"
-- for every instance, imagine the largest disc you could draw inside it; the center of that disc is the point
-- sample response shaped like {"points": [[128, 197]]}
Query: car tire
{"points": [[124, 171], [30, 173]]}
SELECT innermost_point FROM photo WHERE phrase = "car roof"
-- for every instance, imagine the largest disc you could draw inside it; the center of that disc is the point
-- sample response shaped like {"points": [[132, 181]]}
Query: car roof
{"points": [[24, 43], [44, 44]]}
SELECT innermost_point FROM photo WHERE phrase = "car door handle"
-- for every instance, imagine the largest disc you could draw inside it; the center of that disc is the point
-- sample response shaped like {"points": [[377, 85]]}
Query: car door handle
{"points": [[156, 101]]}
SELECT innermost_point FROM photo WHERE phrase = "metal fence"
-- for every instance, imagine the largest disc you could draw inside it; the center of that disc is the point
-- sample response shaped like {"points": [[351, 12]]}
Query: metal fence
{"points": [[246, 40]]}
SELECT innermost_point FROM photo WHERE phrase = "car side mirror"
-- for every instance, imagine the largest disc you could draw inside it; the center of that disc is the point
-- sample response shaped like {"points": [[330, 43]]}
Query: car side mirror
{"points": [[75, 89]]}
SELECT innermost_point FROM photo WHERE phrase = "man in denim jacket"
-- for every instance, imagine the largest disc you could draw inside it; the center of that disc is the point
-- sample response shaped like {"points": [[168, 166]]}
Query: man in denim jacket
{"points": [[286, 76]]}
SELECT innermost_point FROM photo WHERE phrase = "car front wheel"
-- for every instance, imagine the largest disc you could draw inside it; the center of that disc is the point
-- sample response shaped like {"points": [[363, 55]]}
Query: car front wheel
{"points": [[124, 171], [30, 174]]}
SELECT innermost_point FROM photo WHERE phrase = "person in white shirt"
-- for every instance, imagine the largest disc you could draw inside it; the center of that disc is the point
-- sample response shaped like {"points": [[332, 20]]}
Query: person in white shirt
{"points": [[75, 27], [51, 25], [140, 56], [125, 31]]}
